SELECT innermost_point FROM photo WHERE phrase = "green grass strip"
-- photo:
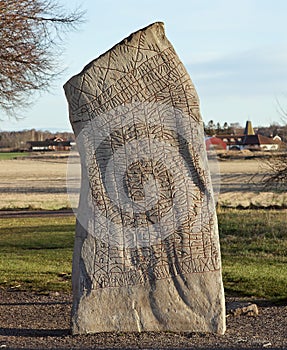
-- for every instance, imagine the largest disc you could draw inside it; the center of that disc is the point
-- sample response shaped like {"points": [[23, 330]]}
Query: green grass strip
{"points": [[12, 155], [36, 253]]}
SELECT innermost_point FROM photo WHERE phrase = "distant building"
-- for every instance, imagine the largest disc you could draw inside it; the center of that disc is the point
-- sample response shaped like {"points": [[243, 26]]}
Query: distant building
{"points": [[232, 141], [277, 138], [54, 144], [249, 128], [214, 143], [259, 142], [251, 141]]}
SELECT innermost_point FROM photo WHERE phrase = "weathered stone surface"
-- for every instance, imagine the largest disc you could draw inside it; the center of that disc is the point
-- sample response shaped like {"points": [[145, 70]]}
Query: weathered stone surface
{"points": [[243, 309], [147, 254]]}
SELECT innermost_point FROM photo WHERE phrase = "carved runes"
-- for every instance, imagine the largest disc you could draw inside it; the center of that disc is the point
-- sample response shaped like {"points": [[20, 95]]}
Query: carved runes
{"points": [[147, 254]]}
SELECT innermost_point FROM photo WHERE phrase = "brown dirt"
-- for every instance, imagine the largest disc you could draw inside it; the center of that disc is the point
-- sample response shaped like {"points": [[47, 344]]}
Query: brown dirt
{"points": [[31, 321]]}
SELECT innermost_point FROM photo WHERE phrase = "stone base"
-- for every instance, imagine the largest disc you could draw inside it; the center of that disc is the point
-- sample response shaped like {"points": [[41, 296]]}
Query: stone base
{"points": [[169, 305]]}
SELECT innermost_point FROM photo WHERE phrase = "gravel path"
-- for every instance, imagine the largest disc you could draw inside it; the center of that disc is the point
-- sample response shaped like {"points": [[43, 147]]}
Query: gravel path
{"points": [[31, 321]]}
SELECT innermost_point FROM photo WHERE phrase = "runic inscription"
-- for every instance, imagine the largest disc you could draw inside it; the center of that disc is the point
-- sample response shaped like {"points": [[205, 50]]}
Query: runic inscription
{"points": [[159, 73], [147, 226], [176, 225]]}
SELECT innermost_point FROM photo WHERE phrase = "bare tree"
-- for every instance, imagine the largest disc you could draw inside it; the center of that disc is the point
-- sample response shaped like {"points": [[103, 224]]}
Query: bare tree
{"points": [[276, 172], [31, 33], [276, 166]]}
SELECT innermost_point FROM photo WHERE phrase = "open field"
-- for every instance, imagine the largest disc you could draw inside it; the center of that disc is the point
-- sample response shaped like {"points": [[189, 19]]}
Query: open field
{"points": [[33, 183], [241, 185], [36, 254], [44, 245], [40, 183]]}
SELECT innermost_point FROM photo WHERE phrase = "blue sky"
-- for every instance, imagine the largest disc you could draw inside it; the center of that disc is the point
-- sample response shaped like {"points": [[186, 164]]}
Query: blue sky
{"points": [[235, 52]]}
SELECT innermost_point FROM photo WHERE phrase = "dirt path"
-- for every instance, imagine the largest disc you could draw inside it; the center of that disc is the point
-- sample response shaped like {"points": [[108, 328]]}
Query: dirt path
{"points": [[29, 321]]}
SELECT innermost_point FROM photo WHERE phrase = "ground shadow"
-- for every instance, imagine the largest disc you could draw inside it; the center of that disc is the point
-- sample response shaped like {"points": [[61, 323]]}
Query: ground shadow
{"points": [[34, 333]]}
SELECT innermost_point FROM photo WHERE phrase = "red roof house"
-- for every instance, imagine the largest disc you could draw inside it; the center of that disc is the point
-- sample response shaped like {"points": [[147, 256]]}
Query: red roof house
{"points": [[214, 143]]}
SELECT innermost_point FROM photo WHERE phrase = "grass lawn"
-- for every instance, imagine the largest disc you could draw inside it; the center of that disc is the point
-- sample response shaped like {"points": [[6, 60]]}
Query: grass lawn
{"points": [[254, 252], [12, 155], [36, 253]]}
